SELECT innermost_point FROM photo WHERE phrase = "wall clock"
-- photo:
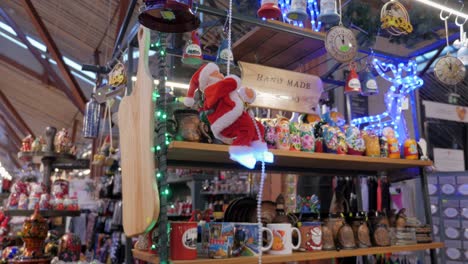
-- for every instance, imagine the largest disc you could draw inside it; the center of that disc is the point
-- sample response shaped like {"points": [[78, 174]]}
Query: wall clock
{"points": [[341, 44], [450, 70]]}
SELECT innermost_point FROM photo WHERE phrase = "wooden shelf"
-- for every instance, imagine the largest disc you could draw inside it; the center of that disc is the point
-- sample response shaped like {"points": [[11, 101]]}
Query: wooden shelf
{"points": [[299, 256], [200, 154], [46, 213]]}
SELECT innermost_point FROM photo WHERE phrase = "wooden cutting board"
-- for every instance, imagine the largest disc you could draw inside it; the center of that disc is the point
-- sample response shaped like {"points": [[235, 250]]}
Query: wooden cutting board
{"points": [[136, 127]]}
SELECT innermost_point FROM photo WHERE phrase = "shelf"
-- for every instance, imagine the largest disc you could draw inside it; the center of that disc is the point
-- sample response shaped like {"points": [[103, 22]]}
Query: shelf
{"points": [[211, 155], [47, 213], [222, 193], [299, 256]]}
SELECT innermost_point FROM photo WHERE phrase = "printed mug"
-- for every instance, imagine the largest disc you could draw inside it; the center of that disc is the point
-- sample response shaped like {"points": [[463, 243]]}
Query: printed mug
{"points": [[183, 240], [311, 234], [282, 239], [221, 239], [246, 240]]}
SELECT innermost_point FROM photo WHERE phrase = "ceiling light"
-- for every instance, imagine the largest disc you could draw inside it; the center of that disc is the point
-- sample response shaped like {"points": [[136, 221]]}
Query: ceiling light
{"points": [[444, 8]]}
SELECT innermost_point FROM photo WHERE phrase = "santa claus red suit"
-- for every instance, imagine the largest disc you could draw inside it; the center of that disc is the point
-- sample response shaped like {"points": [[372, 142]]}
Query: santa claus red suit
{"points": [[225, 102]]}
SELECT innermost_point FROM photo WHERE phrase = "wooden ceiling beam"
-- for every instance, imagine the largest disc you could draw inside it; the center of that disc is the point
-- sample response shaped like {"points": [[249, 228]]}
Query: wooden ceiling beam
{"points": [[123, 6], [77, 93], [9, 109], [11, 133], [44, 79], [37, 54]]}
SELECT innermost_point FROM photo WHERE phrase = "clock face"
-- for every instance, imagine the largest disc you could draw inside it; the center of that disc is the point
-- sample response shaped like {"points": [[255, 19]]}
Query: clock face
{"points": [[341, 44], [450, 70]]}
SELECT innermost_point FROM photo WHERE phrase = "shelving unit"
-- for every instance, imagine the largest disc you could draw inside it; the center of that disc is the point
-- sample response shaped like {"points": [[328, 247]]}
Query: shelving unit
{"points": [[44, 213], [299, 256]]}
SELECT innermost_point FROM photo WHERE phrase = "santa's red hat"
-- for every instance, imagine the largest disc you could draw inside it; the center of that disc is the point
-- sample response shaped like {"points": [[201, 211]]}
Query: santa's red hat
{"points": [[200, 80]]}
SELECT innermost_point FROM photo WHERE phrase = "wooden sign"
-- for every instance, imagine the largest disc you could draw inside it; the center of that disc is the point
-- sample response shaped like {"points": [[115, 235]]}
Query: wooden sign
{"points": [[448, 112], [281, 89]]}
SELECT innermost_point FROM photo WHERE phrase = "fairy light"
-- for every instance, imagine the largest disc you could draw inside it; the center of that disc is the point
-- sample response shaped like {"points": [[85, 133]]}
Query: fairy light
{"points": [[314, 12], [404, 80]]}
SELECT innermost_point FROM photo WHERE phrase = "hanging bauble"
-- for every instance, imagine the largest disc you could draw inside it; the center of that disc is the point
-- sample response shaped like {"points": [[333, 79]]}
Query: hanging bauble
{"points": [[353, 85], [91, 119], [269, 9], [224, 54], [169, 16], [395, 19], [369, 83], [298, 10], [192, 52], [462, 53], [328, 12]]}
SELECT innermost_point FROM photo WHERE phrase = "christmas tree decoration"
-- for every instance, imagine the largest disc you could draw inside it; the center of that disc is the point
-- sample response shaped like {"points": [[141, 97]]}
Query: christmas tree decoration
{"points": [[269, 9], [329, 12], [193, 52], [368, 83], [297, 10], [170, 16], [224, 56], [353, 85], [395, 19]]}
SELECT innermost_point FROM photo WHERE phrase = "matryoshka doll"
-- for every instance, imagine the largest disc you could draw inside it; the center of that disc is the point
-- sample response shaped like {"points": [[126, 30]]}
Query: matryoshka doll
{"points": [[318, 134], [372, 144], [330, 138], [69, 247], [270, 132], [354, 140], [307, 137], [342, 148], [295, 136], [282, 133], [411, 149], [393, 145]]}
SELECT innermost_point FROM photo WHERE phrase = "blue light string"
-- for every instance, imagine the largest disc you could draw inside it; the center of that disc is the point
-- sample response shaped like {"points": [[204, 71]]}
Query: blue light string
{"points": [[314, 12], [404, 80]]}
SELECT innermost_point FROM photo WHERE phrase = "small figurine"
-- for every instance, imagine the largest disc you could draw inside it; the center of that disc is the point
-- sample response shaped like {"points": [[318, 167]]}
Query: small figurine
{"points": [[355, 141], [270, 132], [411, 149], [307, 137], [295, 136], [318, 134], [342, 146], [43, 144], [282, 133], [36, 145], [423, 145], [62, 141], [392, 141], [26, 145], [330, 137]]}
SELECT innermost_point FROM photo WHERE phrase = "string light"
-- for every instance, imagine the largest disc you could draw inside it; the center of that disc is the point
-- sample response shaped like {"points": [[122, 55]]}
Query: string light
{"points": [[404, 80], [314, 12]]}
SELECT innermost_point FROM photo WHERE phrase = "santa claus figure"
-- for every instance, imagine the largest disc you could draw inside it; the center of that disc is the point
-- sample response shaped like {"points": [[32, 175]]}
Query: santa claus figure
{"points": [[225, 103]]}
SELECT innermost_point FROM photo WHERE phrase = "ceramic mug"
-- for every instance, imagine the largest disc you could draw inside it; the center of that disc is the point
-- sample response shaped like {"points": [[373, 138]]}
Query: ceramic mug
{"points": [[183, 240], [311, 234], [282, 239], [221, 239], [246, 239]]}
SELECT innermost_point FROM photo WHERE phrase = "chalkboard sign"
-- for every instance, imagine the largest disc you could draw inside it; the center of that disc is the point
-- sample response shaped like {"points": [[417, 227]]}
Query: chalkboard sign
{"points": [[359, 106]]}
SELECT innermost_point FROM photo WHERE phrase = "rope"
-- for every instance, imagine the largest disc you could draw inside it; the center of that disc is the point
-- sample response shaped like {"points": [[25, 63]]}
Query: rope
{"points": [[228, 70]]}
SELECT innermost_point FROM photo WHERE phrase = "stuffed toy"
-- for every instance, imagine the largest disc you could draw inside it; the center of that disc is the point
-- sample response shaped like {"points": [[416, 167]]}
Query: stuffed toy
{"points": [[225, 103]]}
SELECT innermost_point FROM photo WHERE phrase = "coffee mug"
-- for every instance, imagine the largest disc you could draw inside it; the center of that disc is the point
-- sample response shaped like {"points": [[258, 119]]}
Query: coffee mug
{"points": [[221, 239], [183, 240], [246, 240], [311, 234], [282, 239]]}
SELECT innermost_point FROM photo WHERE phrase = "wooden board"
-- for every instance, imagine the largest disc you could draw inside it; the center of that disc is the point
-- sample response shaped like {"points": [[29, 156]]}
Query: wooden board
{"points": [[200, 153], [136, 126], [299, 256]]}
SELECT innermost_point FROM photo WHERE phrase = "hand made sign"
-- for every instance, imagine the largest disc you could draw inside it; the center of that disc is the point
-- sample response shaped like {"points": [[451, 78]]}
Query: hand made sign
{"points": [[281, 89]]}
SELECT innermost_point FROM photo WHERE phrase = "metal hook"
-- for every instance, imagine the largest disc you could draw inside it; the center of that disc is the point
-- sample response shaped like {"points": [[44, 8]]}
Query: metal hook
{"points": [[442, 12], [456, 19]]}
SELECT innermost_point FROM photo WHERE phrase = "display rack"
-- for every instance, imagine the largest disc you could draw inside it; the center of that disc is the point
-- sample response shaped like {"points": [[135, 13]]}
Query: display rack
{"points": [[299, 256], [44, 213]]}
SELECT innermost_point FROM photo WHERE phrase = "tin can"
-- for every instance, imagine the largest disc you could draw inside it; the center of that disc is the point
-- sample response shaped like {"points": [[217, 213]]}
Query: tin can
{"points": [[183, 240]]}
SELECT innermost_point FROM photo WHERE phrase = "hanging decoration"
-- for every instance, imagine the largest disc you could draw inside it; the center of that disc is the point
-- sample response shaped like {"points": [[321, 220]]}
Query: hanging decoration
{"points": [[404, 80], [449, 70], [462, 43], [329, 12], [269, 9], [298, 10], [353, 85], [340, 42], [224, 56], [92, 118], [368, 81], [171, 16], [395, 19], [193, 52]]}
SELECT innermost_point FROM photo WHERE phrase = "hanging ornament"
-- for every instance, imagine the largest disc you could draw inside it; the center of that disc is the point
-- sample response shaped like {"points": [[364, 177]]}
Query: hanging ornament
{"points": [[395, 19], [462, 53], [269, 9], [298, 10], [192, 52], [328, 12], [353, 85], [169, 16], [462, 43], [118, 75], [368, 81], [224, 55], [91, 118]]}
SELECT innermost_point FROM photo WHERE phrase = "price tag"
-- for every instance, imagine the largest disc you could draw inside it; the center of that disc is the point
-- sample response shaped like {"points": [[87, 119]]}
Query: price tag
{"points": [[405, 104]]}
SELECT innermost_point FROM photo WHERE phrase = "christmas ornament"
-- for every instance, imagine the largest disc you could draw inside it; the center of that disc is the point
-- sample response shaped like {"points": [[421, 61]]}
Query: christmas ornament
{"points": [[91, 119], [353, 85], [328, 12], [341, 44], [224, 55], [298, 10], [450, 70], [368, 81], [171, 16], [269, 9], [192, 52], [395, 18], [118, 75]]}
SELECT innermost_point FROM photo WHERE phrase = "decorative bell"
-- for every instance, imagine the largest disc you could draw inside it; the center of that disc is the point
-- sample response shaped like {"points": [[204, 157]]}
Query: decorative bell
{"points": [[353, 85], [328, 12], [269, 9], [171, 16], [298, 10], [91, 119], [369, 84], [192, 52], [224, 54], [462, 53]]}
